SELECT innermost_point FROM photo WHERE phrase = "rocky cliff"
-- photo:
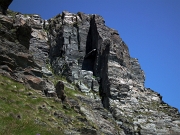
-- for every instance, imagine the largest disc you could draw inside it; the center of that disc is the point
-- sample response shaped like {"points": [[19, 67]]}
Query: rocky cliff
{"points": [[94, 63]]}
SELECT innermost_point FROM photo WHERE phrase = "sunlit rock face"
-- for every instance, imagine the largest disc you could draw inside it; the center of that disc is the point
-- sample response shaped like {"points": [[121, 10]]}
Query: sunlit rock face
{"points": [[92, 56], [85, 50]]}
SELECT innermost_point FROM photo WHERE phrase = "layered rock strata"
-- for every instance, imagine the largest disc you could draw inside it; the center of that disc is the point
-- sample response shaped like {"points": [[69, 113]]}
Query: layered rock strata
{"points": [[24, 50], [96, 60], [93, 55]]}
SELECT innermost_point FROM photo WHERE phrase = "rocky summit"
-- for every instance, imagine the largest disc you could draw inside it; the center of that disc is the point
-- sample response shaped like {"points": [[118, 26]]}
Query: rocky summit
{"points": [[84, 67]]}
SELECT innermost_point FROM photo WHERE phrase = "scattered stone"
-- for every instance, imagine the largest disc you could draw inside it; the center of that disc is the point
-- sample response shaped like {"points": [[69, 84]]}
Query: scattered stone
{"points": [[60, 91], [46, 72], [83, 87]]}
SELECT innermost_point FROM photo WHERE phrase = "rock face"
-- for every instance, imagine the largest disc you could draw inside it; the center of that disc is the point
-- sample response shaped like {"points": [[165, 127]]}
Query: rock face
{"points": [[92, 56], [24, 51], [4, 4]]}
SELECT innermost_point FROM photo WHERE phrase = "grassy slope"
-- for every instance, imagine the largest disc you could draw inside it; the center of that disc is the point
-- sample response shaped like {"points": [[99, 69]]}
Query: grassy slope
{"points": [[27, 112]]}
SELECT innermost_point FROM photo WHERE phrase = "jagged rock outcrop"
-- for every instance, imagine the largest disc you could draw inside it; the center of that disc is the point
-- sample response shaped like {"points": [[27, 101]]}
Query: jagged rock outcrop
{"points": [[96, 60], [4, 4], [24, 51], [92, 55]]}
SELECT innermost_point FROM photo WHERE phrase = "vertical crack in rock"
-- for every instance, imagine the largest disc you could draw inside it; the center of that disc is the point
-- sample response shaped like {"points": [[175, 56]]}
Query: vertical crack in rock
{"points": [[92, 56], [96, 60], [91, 46], [78, 37], [104, 80]]}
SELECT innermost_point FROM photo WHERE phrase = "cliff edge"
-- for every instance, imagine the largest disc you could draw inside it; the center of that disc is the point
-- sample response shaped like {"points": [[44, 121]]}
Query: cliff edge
{"points": [[93, 62]]}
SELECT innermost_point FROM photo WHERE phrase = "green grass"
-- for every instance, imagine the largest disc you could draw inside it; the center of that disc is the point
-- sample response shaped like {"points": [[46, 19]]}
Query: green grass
{"points": [[11, 13], [19, 110], [26, 112]]}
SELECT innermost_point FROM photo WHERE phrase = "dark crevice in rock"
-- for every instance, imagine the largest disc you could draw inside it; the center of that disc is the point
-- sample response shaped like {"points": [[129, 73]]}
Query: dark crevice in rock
{"points": [[56, 48], [104, 90], [92, 38], [69, 39], [93, 56], [24, 34], [62, 17], [96, 60], [78, 36], [91, 46]]}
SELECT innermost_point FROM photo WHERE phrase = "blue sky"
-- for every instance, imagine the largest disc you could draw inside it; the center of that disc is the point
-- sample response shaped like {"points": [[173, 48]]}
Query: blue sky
{"points": [[150, 28]]}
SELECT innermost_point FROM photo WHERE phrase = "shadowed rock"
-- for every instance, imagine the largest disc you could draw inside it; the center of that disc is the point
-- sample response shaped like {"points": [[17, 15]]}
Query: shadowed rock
{"points": [[60, 90], [92, 56], [4, 4]]}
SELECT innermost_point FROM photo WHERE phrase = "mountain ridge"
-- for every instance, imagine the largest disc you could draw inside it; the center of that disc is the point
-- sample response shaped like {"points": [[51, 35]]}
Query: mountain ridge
{"points": [[93, 57]]}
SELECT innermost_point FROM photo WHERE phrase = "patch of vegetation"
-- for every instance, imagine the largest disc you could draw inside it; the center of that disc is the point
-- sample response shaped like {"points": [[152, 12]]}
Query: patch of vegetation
{"points": [[11, 13], [26, 111], [1, 25], [26, 15]]}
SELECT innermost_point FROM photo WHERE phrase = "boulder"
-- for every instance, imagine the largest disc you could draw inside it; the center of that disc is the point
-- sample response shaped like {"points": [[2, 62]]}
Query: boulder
{"points": [[60, 90], [46, 72], [35, 82], [83, 87], [95, 85], [39, 84]]}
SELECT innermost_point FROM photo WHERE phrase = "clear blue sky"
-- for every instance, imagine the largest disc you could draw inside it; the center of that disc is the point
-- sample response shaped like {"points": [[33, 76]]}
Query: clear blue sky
{"points": [[150, 28]]}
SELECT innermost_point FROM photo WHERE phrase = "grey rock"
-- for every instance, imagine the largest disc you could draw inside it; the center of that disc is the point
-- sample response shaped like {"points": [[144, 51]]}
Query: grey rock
{"points": [[40, 84], [91, 55], [68, 85], [83, 87], [46, 72], [95, 85], [50, 89]]}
